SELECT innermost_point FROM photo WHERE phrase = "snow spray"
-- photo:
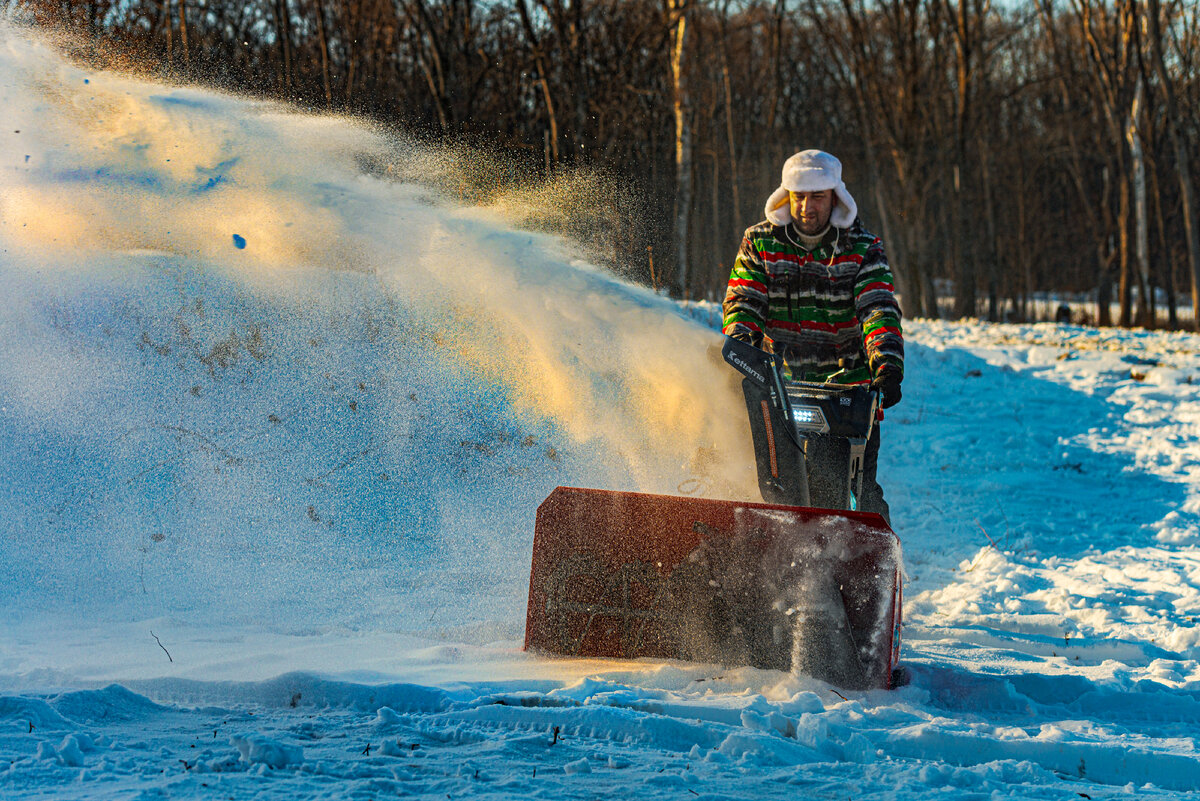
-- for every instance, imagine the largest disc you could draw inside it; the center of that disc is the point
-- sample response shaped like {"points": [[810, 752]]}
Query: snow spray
{"points": [[248, 364]]}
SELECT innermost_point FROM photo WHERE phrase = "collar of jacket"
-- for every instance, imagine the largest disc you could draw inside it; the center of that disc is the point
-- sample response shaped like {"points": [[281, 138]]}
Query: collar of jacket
{"points": [[833, 236]]}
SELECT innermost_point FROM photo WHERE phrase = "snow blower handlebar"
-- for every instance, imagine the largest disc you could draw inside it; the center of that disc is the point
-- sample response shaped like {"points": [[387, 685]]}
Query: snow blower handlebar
{"points": [[765, 369], [811, 409], [846, 410]]}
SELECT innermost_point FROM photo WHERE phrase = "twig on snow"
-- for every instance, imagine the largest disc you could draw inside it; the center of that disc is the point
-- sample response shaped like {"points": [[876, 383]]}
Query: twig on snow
{"points": [[160, 645], [989, 536]]}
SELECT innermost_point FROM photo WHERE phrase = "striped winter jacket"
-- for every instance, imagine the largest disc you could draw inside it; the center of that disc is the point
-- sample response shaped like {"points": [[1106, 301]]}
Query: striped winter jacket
{"points": [[835, 302]]}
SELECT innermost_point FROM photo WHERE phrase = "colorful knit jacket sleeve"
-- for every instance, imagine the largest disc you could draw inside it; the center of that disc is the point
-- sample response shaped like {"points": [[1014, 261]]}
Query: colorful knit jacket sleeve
{"points": [[745, 306], [875, 302]]}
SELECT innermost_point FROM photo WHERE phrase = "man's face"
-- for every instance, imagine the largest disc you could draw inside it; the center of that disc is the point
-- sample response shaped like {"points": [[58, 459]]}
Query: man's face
{"points": [[811, 210]]}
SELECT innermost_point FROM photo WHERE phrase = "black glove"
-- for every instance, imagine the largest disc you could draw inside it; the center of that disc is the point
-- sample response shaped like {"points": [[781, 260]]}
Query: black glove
{"points": [[887, 384]]}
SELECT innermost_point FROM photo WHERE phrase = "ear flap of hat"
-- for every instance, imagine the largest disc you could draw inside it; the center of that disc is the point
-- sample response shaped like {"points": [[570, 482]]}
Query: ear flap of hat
{"points": [[779, 210], [846, 209]]}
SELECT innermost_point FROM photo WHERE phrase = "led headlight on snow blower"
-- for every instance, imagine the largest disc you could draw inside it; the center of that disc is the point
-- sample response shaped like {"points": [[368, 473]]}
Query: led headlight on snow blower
{"points": [[810, 419]]}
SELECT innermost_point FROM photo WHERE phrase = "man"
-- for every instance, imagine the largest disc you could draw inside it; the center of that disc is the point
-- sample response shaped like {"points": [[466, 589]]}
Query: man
{"points": [[813, 285]]}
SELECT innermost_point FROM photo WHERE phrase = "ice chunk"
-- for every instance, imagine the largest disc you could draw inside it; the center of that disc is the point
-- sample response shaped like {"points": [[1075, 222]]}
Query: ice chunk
{"points": [[386, 716], [258, 749], [578, 766]]}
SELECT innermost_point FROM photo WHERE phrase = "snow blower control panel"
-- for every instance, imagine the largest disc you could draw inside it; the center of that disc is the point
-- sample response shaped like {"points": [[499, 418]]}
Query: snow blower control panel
{"points": [[838, 410]]}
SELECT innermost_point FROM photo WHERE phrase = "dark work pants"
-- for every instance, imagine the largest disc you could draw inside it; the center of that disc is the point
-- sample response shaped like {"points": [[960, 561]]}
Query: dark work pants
{"points": [[780, 462]]}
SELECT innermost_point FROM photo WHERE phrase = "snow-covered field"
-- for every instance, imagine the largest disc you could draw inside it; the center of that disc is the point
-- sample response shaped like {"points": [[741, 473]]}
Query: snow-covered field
{"points": [[275, 421]]}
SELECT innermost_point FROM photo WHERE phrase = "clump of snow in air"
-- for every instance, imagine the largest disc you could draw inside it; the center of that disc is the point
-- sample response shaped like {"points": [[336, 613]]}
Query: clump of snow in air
{"points": [[276, 417]]}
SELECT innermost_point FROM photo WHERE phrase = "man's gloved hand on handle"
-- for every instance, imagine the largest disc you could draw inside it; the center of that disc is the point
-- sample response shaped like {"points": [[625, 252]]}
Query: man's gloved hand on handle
{"points": [[887, 384]]}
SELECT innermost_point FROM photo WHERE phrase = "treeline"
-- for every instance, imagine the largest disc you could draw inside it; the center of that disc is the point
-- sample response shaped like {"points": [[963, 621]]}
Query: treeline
{"points": [[1002, 150]]}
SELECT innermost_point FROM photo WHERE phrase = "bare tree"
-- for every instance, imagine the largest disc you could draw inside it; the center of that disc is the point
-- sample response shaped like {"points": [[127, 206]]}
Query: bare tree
{"points": [[1187, 192], [543, 81], [678, 14]]}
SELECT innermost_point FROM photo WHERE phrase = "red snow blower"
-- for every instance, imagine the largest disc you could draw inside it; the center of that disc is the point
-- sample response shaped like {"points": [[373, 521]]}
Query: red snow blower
{"points": [[771, 585]]}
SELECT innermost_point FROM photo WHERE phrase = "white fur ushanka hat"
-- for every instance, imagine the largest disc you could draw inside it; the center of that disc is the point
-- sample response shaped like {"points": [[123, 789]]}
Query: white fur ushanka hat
{"points": [[812, 171]]}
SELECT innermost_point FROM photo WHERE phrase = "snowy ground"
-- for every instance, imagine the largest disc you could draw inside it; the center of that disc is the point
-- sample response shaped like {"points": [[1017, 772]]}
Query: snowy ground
{"points": [[275, 422]]}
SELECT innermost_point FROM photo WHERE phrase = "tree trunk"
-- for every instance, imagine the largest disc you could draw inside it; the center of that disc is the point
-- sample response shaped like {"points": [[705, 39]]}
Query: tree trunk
{"points": [[990, 251], [1023, 255], [323, 42], [283, 31], [717, 240], [776, 69], [905, 286], [929, 290], [183, 33], [735, 196], [578, 85], [169, 27], [963, 247], [680, 10], [1125, 284], [964, 258], [1104, 287], [1141, 221], [1165, 258]]}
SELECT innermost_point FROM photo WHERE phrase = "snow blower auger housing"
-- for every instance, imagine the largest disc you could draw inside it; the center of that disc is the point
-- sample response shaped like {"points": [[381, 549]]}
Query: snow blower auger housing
{"points": [[771, 585]]}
